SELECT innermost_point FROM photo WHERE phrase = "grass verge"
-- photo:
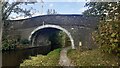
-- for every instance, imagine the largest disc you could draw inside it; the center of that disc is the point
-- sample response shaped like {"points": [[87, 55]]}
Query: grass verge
{"points": [[51, 59], [92, 58]]}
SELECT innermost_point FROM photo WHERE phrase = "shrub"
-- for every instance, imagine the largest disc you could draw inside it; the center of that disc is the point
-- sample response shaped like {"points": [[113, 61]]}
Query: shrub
{"points": [[8, 44], [108, 36], [24, 41]]}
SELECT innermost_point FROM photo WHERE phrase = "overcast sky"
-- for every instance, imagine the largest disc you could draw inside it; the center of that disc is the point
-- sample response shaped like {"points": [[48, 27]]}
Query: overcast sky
{"points": [[61, 7]]}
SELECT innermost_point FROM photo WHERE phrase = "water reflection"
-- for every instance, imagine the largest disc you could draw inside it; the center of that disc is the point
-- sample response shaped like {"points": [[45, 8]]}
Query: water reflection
{"points": [[14, 58]]}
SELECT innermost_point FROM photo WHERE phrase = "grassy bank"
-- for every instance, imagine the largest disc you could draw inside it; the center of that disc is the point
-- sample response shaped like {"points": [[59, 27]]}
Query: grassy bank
{"points": [[51, 59], [92, 58]]}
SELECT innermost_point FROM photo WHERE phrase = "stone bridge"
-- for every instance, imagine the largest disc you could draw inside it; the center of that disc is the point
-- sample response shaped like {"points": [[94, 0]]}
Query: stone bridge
{"points": [[77, 27]]}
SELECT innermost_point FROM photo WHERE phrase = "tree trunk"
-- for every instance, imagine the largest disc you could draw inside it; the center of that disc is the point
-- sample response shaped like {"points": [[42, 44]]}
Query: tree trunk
{"points": [[1, 33], [1, 25]]}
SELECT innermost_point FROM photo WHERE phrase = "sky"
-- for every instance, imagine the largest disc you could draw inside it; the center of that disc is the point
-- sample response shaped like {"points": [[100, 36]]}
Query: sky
{"points": [[62, 7]]}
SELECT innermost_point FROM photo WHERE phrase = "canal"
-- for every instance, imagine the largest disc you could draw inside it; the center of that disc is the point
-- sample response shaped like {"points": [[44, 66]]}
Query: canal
{"points": [[14, 58]]}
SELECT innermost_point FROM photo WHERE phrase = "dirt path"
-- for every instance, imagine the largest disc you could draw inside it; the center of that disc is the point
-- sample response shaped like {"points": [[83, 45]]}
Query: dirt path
{"points": [[64, 60]]}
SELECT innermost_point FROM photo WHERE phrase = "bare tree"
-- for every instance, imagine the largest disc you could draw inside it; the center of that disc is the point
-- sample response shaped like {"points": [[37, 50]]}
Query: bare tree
{"points": [[6, 9], [51, 11]]}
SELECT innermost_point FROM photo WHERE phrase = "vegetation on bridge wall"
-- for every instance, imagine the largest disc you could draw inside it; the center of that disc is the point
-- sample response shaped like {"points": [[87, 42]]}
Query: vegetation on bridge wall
{"points": [[12, 42], [8, 43]]}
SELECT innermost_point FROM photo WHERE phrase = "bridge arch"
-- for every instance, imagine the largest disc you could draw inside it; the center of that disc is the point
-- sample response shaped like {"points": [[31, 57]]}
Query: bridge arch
{"points": [[56, 27]]}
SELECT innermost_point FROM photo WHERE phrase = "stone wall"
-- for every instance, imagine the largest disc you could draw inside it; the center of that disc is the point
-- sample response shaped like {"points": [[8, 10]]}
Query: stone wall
{"points": [[79, 26]]}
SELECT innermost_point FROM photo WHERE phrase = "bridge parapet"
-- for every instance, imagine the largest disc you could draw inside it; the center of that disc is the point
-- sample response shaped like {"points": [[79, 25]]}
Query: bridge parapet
{"points": [[63, 20]]}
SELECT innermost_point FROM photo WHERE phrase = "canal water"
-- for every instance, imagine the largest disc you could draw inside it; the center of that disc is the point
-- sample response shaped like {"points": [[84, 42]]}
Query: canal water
{"points": [[14, 58]]}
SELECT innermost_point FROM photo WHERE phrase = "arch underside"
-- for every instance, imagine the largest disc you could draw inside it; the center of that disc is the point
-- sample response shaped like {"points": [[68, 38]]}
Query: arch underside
{"points": [[56, 27]]}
